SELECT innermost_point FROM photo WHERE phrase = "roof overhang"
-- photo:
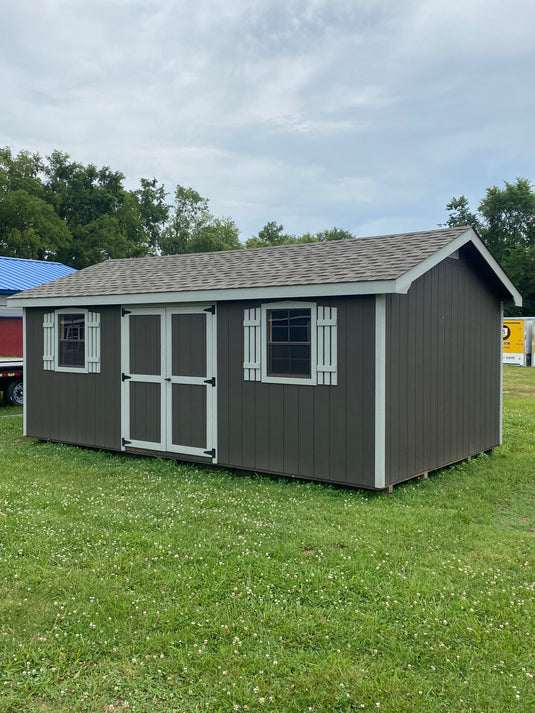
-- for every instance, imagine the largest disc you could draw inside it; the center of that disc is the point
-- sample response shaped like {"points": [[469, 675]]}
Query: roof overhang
{"points": [[400, 285], [245, 293], [470, 236]]}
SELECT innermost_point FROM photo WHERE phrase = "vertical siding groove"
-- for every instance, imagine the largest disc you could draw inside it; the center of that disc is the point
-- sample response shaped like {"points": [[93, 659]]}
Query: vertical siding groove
{"points": [[294, 429], [452, 399]]}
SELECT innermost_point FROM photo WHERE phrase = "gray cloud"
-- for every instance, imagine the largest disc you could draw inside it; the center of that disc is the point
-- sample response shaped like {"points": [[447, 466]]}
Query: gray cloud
{"points": [[314, 113]]}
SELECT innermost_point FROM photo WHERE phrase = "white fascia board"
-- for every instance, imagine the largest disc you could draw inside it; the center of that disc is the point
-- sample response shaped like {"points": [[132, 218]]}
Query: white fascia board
{"points": [[403, 283], [335, 289]]}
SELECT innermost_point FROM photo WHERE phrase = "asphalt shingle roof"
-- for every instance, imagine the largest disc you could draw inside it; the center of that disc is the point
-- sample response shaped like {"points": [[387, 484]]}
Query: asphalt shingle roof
{"points": [[385, 257]]}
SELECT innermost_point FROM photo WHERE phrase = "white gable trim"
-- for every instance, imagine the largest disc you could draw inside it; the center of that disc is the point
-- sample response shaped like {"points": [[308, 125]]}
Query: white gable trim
{"points": [[404, 282]]}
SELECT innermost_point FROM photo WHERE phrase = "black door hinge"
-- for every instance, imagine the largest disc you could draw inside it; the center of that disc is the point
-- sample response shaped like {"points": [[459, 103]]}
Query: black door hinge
{"points": [[210, 309], [210, 381], [125, 442], [211, 453], [124, 376], [124, 312]]}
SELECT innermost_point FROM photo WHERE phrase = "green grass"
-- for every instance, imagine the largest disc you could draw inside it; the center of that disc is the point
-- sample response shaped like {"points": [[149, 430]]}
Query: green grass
{"points": [[138, 584], [10, 410]]}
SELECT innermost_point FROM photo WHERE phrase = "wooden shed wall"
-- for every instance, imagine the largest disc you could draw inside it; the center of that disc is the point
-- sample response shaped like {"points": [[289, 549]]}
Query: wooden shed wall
{"points": [[442, 370], [320, 432], [84, 409]]}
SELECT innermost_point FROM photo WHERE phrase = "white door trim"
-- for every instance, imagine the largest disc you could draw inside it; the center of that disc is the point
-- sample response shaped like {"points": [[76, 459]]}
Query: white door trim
{"points": [[166, 380]]}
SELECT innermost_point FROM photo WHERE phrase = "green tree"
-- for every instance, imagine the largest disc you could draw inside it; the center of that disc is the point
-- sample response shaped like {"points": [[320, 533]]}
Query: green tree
{"points": [[333, 234], [153, 209], [192, 228], [30, 228], [22, 172], [218, 234], [505, 219], [106, 220], [460, 214], [509, 217], [273, 234], [58, 209], [519, 264]]}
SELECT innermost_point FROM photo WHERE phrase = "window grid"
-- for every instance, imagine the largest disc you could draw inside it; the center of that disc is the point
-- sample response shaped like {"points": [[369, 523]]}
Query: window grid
{"points": [[71, 340], [289, 343]]}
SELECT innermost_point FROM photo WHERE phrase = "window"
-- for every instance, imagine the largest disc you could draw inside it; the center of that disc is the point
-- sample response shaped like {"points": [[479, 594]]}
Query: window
{"points": [[72, 341], [290, 343]]}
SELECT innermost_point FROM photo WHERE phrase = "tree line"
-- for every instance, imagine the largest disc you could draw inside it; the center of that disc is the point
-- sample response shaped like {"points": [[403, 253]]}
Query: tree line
{"points": [[53, 208], [505, 219]]}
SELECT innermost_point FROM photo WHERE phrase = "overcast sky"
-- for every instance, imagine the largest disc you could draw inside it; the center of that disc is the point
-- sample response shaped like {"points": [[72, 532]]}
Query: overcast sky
{"points": [[367, 115]]}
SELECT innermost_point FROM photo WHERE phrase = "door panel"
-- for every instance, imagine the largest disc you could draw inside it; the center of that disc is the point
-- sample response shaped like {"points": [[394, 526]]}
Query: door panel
{"points": [[191, 366], [188, 344], [189, 416], [145, 344], [145, 412]]}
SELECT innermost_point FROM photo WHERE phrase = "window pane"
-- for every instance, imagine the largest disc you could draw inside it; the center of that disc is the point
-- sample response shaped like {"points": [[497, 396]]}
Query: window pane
{"points": [[279, 334], [300, 368], [300, 317], [279, 317], [300, 360], [278, 359], [299, 351], [71, 350], [71, 354], [289, 342], [299, 334]]}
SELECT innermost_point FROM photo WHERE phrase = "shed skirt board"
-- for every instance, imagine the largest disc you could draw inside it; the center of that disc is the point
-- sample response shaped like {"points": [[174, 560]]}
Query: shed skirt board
{"points": [[168, 380]]}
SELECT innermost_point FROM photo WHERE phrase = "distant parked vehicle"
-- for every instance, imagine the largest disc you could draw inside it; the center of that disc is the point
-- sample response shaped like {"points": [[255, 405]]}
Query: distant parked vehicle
{"points": [[11, 384]]}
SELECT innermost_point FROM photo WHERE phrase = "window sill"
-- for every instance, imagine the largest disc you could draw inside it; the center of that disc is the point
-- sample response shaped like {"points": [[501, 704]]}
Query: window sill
{"points": [[307, 381], [72, 369]]}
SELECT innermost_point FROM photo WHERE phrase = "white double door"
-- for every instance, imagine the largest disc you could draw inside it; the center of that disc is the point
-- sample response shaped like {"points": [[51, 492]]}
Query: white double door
{"points": [[168, 399]]}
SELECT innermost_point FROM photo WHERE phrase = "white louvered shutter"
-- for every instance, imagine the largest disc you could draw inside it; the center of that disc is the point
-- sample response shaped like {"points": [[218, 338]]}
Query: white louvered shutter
{"points": [[327, 357], [251, 344], [92, 342], [49, 346]]}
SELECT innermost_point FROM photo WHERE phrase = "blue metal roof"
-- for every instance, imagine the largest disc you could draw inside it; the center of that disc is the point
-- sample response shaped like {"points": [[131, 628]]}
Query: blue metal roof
{"points": [[17, 274]]}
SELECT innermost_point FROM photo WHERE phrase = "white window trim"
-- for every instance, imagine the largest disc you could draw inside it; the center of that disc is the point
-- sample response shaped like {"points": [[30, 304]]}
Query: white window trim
{"points": [[312, 380], [73, 369]]}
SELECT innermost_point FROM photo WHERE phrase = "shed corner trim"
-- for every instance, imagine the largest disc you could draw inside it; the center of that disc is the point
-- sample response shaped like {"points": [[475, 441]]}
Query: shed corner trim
{"points": [[380, 391]]}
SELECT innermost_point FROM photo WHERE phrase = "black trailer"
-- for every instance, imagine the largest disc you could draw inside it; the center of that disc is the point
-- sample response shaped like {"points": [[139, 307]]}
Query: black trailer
{"points": [[11, 381]]}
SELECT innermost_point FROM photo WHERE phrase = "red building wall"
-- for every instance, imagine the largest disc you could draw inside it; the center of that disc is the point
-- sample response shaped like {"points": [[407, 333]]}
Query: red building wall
{"points": [[10, 336]]}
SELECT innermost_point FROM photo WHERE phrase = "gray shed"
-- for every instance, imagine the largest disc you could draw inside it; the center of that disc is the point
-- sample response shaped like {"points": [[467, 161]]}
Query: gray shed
{"points": [[361, 362]]}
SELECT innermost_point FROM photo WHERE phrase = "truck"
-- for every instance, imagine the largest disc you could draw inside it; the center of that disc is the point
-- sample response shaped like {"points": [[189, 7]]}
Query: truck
{"points": [[11, 371]]}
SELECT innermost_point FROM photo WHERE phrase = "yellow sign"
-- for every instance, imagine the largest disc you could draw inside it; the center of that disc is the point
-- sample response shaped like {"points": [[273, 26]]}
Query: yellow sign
{"points": [[513, 342]]}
